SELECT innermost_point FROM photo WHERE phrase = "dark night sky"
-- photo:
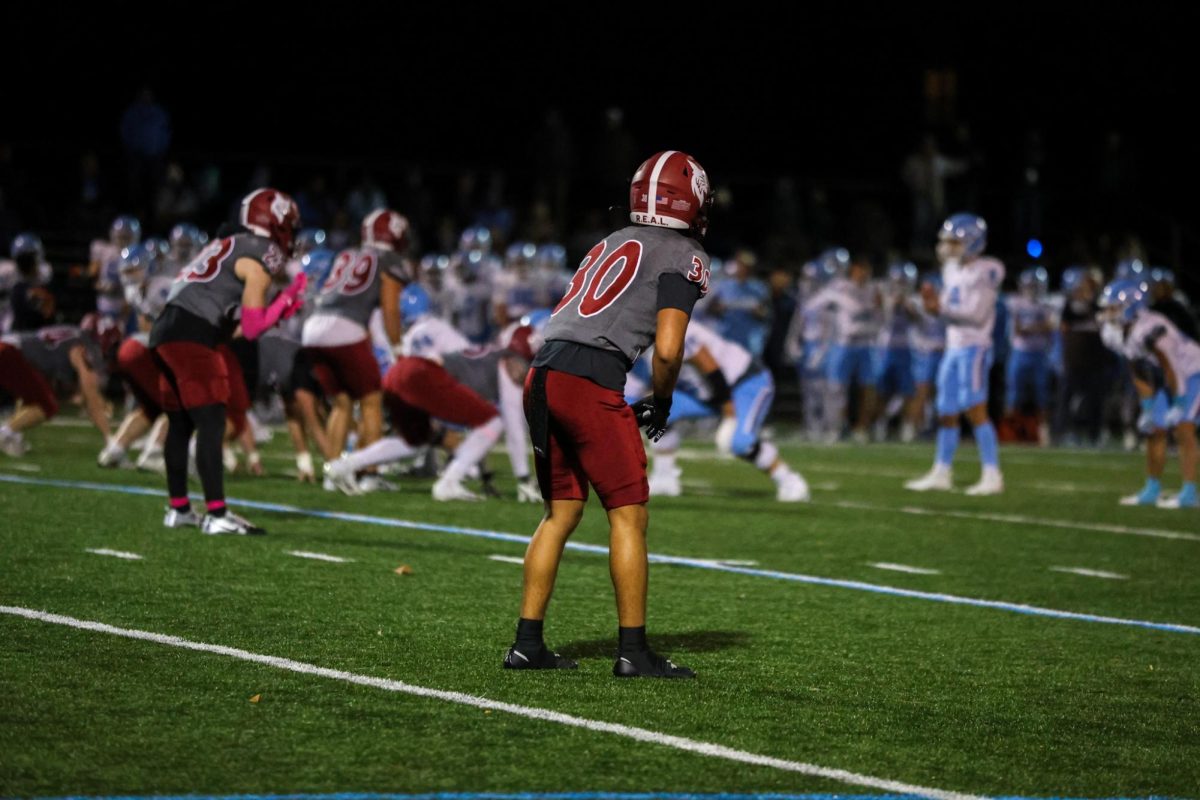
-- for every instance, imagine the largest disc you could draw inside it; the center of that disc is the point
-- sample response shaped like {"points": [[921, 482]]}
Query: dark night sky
{"points": [[829, 95]]}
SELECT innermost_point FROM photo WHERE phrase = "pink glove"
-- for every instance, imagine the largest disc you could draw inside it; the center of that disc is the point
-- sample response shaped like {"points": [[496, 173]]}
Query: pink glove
{"points": [[257, 321]]}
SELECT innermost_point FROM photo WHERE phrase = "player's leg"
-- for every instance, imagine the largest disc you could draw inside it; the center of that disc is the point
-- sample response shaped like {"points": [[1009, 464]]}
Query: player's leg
{"points": [[1040, 386], [1156, 453], [1185, 438], [19, 379], [752, 401], [629, 566], [949, 377], [337, 427], [974, 397], [563, 485], [837, 380], [867, 396]]}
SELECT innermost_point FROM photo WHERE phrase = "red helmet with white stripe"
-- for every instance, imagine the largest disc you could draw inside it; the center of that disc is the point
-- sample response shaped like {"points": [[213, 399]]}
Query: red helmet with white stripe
{"points": [[386, 230], [273, 214], [670, 190]]}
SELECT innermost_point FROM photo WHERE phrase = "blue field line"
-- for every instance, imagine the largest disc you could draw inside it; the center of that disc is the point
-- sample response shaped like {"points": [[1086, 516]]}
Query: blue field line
{"points": [[547, 796], [655, 558]]}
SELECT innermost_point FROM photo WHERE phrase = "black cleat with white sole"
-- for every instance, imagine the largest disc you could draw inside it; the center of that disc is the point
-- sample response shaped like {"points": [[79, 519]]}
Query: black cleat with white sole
{"points": [[648, 664], [542, 658]]}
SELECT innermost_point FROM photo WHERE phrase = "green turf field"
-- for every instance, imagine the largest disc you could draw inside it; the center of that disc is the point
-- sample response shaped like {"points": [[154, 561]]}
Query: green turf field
{"points": [[910, 690]]}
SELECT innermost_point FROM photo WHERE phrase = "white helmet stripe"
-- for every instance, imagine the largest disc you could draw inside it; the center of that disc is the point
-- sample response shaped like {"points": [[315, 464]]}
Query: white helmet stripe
{"points": [[652, 191], [369, 225]]}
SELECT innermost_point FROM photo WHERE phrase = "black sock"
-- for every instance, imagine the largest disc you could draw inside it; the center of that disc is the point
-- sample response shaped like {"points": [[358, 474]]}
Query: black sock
{"points": [[632, 640], [529, 633], [175, 452], [210, 433]]}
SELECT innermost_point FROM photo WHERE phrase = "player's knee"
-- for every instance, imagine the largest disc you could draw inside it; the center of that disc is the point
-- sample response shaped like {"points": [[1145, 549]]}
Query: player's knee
{"points": [[744, 444]]}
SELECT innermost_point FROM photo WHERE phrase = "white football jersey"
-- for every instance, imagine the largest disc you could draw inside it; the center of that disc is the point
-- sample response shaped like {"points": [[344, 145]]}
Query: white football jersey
{"points": [[1152, 330], [856, 310], [968, 301], [928, 332], [1025, 312], [731, 357], [432, 337]]}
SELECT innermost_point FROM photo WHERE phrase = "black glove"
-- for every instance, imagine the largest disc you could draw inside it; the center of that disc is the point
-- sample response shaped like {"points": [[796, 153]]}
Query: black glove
{"points": [[651, 413]]}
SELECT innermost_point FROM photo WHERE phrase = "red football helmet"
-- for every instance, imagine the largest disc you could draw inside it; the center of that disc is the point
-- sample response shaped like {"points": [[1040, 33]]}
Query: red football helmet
{"points": [[104, 330], [670, 190], [273, 214], [386, 230]]}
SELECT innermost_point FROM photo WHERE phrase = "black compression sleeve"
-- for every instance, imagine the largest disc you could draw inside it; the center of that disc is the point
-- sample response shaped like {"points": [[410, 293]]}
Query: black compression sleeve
{"points": [[718, 388], [676, 291]]}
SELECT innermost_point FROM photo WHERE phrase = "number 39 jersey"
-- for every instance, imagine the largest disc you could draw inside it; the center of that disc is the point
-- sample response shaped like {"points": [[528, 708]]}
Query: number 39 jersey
{"points": [[209, 288], [352, 289], [612, 302]]}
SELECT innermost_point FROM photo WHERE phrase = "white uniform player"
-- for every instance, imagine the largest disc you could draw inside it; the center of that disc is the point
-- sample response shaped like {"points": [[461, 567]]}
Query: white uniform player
{"points": [[967, 304]]}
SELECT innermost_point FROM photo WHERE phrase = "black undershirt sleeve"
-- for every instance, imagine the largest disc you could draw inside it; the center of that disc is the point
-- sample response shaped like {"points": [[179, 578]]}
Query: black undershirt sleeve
{"points": [[676, 291]]}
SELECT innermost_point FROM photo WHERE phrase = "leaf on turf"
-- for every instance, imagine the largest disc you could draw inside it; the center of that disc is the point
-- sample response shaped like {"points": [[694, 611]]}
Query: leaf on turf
{"points": [[256, 698], [404, 569]]}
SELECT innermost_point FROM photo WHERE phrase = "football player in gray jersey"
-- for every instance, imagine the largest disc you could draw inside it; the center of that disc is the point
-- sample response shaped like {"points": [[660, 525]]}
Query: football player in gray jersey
{"points": [[231, 275], [635, 288], [336, 337], [33, 365]]}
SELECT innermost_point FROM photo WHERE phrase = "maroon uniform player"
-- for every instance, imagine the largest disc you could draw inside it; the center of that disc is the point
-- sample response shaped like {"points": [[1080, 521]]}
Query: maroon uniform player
{"points": [[336, 337], [231, 274], [635, 288], [36, 363]]}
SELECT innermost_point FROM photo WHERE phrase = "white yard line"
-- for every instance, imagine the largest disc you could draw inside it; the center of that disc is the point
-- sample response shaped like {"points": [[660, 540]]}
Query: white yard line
{"points": [[1019, 519], [508, 559], [101, 551], [319, 556], [904, 568], [707, 749], [655, 558], [1091, 573]]}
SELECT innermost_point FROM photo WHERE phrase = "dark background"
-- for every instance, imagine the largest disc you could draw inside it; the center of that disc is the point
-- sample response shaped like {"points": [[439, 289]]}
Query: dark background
{"points": [[833, 99]]}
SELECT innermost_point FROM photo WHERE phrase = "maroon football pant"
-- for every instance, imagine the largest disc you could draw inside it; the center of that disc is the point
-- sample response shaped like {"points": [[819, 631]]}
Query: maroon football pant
{"points": [[20, 379], [417, 390], [593, 438]]}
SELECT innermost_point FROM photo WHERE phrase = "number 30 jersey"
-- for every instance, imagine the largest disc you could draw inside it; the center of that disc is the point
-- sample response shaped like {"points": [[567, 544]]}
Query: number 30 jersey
{"points": [[209, 288], [352, 289], [612, 302]]}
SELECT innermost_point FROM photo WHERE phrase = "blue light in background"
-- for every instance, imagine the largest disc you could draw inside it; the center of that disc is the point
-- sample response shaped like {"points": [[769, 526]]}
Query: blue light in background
{"points": [[1034, 248]]}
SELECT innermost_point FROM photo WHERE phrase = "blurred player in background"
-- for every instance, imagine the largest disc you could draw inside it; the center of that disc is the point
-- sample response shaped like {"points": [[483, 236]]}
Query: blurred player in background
{"points": [[1031, 324], [967, 304], [892, 356]]}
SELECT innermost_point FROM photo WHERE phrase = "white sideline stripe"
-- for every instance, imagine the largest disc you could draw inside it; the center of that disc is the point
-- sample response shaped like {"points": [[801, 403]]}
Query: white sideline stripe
{"points": [[904, 568], [826, 486], [508, 559], [319, 556], [1091, 573], [68, 422], [655, 558], [546, 715], [101, 551], [1019, 519]]}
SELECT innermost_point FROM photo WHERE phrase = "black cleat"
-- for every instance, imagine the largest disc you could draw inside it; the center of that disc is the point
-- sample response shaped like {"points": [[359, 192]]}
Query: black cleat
{"points": [[648, 664], [543, 658]]}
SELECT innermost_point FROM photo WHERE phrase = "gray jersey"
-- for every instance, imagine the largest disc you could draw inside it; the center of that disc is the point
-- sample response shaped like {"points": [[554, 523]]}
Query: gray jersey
{"points": [[478, 370], [352, 288], [49, 351], [209, 287], [612, 302]]}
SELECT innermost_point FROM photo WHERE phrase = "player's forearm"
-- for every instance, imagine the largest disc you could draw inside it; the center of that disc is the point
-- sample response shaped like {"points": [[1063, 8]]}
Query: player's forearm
{"points": [[1144, 389], [973, 314], [665, 367], [93, 404]]}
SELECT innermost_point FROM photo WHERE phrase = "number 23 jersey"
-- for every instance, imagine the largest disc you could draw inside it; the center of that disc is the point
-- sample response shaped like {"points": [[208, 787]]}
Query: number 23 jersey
{"points": [[209, 288]]}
